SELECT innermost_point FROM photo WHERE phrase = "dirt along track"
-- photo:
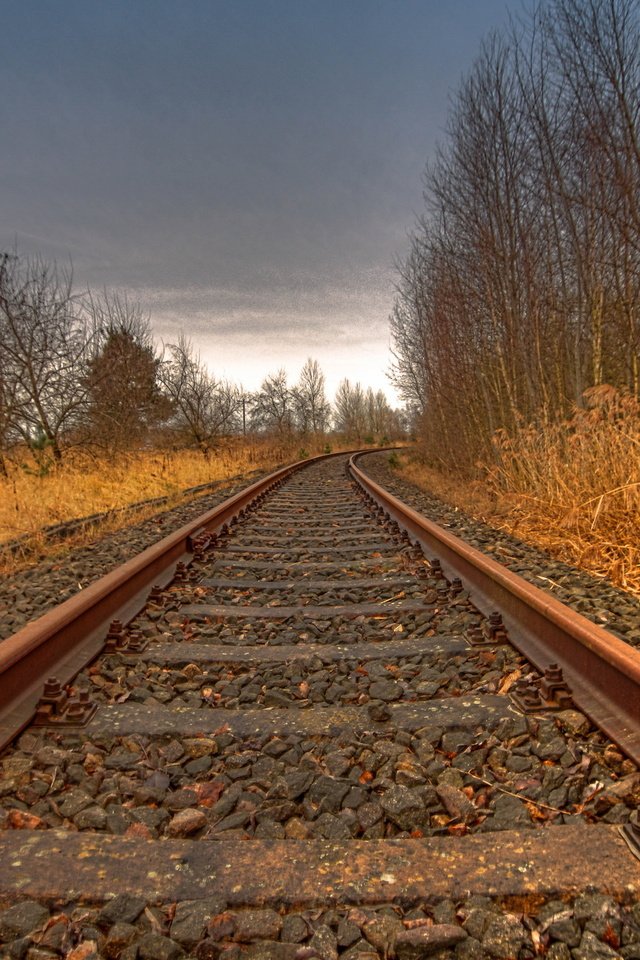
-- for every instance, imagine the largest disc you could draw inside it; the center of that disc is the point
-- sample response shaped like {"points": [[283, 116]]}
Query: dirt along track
{"points": [[306, 745]]}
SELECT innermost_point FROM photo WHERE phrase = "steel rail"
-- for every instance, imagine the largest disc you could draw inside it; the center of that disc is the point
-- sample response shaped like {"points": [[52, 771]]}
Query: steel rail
{"points": [[67, 638], [603, 672]]}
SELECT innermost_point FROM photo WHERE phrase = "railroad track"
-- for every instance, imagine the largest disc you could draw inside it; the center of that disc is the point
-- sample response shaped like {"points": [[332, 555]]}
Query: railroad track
{"points": [[331, 730]]}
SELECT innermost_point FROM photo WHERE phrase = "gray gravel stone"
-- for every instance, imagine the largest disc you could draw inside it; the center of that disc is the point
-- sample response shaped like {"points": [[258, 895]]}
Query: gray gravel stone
{"points": [[22, 918], [190, 920], [503, 937], [123, 908], [153, 946], [593, 949], [325, 943], [403, 806], [425, 941]]}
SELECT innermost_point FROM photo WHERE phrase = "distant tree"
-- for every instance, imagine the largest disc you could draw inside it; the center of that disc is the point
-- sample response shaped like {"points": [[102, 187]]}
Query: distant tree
{"points": [[273, 410], [381, 419], [311, 410], [203, 409], [350, 416], [123, 383]]}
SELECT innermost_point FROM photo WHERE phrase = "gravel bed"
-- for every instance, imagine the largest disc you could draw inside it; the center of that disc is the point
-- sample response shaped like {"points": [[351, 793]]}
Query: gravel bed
{"points": [[28, 594], [593, 597], [411, 678], [175, 626], [589, 927], [527, 772]]}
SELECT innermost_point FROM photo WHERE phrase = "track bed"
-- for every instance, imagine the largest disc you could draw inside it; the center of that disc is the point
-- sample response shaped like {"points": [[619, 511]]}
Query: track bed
{"points": [[302, 755]]}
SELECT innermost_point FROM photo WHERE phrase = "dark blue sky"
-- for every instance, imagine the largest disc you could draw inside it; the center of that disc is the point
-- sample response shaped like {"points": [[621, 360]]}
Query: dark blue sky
{"points": [[247, 169]]}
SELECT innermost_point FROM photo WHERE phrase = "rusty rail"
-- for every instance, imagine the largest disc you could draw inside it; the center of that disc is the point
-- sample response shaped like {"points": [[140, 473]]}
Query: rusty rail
{"points": [[602, 671]]}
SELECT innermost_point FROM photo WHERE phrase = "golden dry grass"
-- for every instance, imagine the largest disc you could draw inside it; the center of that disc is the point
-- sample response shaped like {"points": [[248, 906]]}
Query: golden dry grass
{"points": [[84, 485], [572, 488]]}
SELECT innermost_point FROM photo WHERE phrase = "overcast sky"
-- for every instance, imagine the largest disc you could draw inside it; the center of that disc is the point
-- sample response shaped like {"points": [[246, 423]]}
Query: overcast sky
{"points": [[247, 169]]}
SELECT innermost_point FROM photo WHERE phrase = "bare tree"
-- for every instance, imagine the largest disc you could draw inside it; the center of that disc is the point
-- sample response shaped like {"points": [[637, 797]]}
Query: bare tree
{"points": [[522, 285], [272, 410], [203, 409], [44, 346], [312, 411], [350, 415]]}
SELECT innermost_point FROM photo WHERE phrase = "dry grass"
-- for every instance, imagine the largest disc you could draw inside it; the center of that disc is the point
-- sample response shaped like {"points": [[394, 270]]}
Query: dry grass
{"points": [[84, 485], [572, 488]]}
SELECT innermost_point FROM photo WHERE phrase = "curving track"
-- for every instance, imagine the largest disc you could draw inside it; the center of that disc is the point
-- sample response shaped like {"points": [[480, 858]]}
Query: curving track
{"points": [[307, 745]]}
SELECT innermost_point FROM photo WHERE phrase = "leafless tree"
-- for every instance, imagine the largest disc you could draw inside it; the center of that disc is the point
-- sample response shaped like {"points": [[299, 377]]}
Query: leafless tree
{"points": [[203, 409], [44, 348], [350, 413], [272, 409], [522, 286], [312, 411]]}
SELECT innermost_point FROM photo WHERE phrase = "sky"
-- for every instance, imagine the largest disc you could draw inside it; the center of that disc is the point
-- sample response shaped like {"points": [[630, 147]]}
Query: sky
{"points": [[248, 170]]}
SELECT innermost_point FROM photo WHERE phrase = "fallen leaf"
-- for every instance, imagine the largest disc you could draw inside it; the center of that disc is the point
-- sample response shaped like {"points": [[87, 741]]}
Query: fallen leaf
{"points": [[509, 680], [21, 820], [140, 830], [209, 793], [458, 829], [84, 950]]}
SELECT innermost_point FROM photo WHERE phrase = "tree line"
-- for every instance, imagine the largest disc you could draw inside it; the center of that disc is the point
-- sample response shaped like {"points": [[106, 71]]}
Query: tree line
{"points": [[84, 369], [521, 289]]}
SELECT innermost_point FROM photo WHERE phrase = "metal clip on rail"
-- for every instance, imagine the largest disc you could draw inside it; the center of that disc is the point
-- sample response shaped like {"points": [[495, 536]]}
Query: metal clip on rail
{"points": [[493, 631], [549, 692], [57, 708]]}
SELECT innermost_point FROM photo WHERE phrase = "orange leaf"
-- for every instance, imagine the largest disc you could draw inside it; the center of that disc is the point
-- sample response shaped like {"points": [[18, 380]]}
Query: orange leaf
{"points": [[536, 813], [366, 777], [509, 681], [611, 937], [457, 829], [21, 820], [209, 793], [140, 830]]}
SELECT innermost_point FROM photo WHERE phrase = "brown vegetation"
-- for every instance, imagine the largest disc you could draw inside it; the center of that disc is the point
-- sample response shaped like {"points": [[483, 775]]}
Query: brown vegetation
{"points": [[573, 488]]}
